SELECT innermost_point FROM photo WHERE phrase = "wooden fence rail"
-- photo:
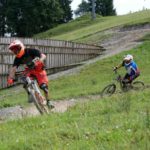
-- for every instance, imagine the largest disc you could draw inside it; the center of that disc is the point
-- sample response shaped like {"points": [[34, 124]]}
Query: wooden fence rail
{"points": [[59, 54]]}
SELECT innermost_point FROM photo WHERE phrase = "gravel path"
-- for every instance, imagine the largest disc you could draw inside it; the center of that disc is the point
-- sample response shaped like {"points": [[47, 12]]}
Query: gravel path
{"points": [[122, 39]]}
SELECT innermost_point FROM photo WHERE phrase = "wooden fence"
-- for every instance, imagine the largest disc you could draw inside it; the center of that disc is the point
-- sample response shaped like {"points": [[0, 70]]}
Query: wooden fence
{"points": [[59, 54]]}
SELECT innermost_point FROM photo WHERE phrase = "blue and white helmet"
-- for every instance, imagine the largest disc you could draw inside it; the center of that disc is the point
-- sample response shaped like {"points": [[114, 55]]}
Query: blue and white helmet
{"points": [[128, 57]]}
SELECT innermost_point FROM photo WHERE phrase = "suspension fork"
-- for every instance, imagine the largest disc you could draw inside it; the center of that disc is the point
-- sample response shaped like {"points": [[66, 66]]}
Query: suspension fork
{"points": [[38, 94], [35, 87], [30, 85]]}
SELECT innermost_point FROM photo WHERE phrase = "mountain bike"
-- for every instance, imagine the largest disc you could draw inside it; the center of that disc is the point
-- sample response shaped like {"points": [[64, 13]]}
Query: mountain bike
{"points": [[33, 91], [111, 88]]}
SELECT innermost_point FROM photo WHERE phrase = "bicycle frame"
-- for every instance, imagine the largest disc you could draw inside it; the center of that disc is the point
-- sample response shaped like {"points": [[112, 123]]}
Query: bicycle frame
{"points": [[32, 89], [119, 79]]}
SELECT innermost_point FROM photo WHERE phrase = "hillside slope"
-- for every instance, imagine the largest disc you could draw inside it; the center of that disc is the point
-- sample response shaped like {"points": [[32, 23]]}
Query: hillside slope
{"points": [[83, 28]]}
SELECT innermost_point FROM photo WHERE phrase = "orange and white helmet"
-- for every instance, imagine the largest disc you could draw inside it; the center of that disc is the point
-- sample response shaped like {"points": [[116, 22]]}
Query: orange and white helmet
{"points": [[17, 47], [128, 57]]}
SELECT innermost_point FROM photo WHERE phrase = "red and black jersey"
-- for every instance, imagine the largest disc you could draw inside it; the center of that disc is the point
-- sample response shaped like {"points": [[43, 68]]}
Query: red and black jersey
{"points": [[27, 58]]}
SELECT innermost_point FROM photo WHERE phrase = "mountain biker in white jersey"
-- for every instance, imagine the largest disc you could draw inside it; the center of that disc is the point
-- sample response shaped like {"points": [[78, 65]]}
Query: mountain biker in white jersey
{"points": [[131, 68]]}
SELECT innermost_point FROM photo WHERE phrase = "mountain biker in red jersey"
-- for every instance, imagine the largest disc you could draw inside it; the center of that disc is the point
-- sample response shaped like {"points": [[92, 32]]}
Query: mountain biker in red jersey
{"points": [[26, 56], [131, 68]]}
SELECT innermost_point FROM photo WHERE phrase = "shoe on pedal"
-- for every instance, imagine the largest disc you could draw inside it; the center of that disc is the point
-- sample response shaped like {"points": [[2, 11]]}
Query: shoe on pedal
{"points": [[50, 105]]}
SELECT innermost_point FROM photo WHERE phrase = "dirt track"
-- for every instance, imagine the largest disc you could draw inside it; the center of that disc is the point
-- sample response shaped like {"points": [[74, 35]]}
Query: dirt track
{"points": [[122, 39]]}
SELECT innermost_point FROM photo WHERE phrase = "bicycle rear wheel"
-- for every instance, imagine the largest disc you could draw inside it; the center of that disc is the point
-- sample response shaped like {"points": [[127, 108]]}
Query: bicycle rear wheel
{"points": [[39, 102], [138, 85], [108, 90]]}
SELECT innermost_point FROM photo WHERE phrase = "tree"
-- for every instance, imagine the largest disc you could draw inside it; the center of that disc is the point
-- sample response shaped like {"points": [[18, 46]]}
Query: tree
{"points": [[26, 17], [67, 12], [93, 10], [3, 8], [103, 7], [83, 8]]}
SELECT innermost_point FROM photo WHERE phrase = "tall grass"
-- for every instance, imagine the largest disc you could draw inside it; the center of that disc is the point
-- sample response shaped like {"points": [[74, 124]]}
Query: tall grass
{"points": [[104, 124]]}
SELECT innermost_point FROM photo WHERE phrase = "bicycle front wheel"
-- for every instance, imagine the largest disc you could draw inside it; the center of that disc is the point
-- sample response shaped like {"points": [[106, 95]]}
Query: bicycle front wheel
{"points": [[138, 85], [39, 102], [108, 90]]}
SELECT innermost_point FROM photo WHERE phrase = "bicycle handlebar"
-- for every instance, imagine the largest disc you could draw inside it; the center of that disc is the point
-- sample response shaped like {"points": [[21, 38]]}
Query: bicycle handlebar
{"points": [[115, 71]]}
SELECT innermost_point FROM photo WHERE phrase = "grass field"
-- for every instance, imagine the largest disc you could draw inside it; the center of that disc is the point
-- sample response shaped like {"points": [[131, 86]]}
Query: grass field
{"points": [[120, 122]]}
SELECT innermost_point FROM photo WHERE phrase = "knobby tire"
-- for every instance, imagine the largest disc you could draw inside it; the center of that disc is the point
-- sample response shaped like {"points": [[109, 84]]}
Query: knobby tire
{"points": [[108, 90], [138, 85]]}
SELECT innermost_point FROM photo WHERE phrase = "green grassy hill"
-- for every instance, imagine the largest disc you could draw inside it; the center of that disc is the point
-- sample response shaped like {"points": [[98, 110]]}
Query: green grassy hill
{"points": [[84, 27], [120, 122]]}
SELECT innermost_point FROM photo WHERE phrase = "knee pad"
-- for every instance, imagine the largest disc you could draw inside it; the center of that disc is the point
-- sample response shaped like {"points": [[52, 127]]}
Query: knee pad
{"points": [[44, 87]]}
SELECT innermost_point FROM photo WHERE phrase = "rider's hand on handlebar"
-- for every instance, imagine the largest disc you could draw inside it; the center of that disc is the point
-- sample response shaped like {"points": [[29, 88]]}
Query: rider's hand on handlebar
{"points": [[115, 68], [33, 63], [38, 65], [36, 59]]}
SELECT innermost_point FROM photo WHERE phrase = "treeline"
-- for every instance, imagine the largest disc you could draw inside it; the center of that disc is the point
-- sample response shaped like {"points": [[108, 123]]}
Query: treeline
{"points": [[24, 18], [27, 17]]}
